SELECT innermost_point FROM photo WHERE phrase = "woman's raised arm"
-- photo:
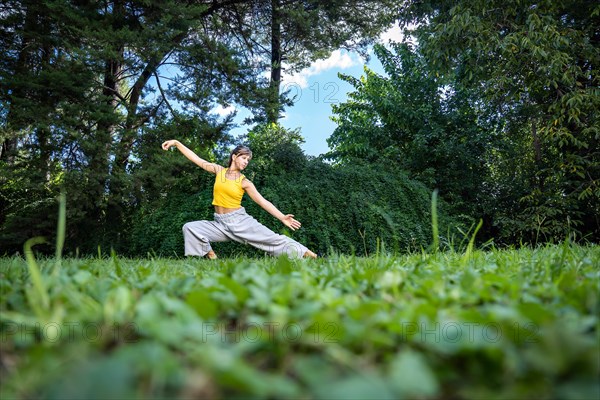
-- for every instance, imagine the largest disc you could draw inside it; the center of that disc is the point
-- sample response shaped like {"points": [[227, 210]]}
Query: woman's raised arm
{"points": [[193, 157]]}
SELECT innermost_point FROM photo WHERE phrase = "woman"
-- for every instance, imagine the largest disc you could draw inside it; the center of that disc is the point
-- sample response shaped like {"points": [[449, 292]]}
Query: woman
{"points": [[231, 221]]}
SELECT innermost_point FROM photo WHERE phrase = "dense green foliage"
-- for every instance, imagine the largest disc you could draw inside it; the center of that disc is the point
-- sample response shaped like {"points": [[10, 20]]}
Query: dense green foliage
{"points": [[81, 88], [533, 66], [497, 106], [484, 324], [409, 120]]}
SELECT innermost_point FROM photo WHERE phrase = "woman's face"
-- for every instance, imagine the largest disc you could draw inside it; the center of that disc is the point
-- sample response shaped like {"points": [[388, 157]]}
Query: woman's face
{"points": [[241, 161]]}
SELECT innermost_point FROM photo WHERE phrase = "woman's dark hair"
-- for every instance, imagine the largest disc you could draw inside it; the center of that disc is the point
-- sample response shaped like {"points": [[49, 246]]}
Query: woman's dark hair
{"points": [[239, 151]]}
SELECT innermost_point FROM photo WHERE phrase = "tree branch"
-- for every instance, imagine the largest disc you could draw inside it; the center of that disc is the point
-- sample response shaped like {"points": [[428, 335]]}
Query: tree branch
{"points": [[162, 93]]}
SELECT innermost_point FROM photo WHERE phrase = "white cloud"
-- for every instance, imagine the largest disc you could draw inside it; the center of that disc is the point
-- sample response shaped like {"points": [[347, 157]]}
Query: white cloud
{"points": [[298, 80], [223, 111], [394, 34], [337, 60]]}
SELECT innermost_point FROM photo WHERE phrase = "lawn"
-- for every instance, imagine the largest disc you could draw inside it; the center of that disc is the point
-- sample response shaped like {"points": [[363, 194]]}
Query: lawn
{"points": [[513, 324]]}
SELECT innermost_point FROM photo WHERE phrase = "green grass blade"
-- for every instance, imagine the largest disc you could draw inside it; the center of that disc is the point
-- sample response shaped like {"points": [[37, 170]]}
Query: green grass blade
{"points": [[60, 230], [434, 221], [34, 271], [471, 244]]}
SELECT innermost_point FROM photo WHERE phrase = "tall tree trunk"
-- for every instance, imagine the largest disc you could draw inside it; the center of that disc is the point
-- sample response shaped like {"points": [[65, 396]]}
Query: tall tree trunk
{"points": [[117, 188], [273, 104], [44, 133], [100, 152]]}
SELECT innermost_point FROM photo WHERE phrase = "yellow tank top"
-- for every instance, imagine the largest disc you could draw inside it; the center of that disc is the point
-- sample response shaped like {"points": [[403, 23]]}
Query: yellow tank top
{"points": [[227, 193]]}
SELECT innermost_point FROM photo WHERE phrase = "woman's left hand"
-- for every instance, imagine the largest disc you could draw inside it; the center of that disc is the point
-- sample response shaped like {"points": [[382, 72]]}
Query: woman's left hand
{"points": [[290, 222]]}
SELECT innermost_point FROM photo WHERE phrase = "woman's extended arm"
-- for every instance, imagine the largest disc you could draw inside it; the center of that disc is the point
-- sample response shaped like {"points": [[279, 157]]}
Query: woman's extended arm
{"points": [[205, 165], [288, 220]]}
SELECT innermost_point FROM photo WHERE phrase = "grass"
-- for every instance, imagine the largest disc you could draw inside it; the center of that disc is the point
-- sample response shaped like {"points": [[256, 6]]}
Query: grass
{"points": [[495, 324]]}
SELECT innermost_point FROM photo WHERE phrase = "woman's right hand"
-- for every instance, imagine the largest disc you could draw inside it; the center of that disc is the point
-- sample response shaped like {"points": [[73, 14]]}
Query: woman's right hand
{"points": [[168, 144]]}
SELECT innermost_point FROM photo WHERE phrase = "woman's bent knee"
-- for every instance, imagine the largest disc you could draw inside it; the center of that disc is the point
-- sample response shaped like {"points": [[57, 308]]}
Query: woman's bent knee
{"points": [[187, 227]]}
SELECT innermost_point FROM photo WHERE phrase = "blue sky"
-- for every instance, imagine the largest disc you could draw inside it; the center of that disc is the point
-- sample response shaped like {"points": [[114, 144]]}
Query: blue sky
{"points": [[317, 88]]}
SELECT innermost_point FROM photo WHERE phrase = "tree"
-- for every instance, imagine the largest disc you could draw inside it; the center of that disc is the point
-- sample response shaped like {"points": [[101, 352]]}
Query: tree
{"points": [[536, 63], [424, 125], [277, 150], [45, 95], [81, 81]]}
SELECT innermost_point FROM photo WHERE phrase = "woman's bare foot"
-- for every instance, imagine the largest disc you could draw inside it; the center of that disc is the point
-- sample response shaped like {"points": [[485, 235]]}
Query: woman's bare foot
{"points": [[211, 255], [309, 254]]}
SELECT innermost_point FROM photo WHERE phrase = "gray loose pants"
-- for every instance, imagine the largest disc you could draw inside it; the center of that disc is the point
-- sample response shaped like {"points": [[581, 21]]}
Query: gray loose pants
{"points": [[240, 227]]}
